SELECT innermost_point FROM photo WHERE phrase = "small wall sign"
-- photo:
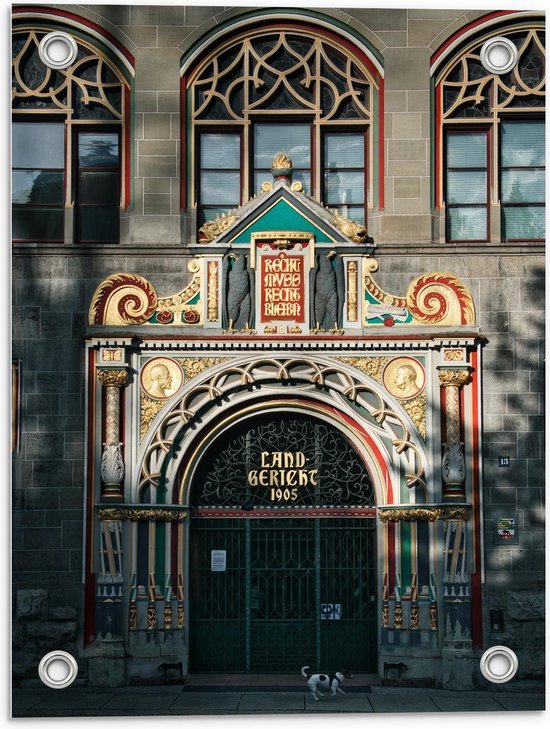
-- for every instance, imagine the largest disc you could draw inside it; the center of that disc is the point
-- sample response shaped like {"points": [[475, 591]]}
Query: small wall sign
{"points": [[506, 531], [331, 611], [218, 560], [504, 461]]}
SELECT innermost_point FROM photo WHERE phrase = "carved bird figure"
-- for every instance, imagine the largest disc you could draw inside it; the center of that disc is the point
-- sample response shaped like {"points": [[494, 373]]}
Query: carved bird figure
{"points": [[239, 294], [327, 287]]}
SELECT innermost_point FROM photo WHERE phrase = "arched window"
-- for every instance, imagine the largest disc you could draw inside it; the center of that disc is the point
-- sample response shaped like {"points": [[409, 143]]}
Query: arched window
{"points": [[283, 87], [490, 141], [70, 138]]}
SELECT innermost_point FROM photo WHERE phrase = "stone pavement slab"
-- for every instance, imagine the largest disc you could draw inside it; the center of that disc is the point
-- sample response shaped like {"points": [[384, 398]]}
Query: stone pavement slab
{"points": [[350, 703], [147, 702], [409, 704], [201, 702], [67, 699], [475, 703], [532, 702], [28, 699], [271, 701]]}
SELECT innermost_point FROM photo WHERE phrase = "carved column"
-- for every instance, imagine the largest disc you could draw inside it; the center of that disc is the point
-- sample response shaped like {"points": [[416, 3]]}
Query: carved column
{"points": [[457, 642], [109, 599], [452, 378], [112, 462]]}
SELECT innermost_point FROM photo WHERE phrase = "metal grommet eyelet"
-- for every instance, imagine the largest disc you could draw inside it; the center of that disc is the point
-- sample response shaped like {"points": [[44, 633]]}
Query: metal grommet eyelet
{"points": [[498, 664], [58, 669], [57, 50], [499, 55]]}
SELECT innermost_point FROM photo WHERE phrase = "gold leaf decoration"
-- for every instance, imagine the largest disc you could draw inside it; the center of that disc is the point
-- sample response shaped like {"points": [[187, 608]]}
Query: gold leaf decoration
{"points": [[350, 228], [417, 410], [371, 366], [427, 513], [149, 409], [194, 366], [213, 228]]}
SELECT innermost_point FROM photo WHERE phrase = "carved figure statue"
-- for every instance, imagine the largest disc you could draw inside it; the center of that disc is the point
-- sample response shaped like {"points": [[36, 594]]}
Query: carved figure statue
{"points": [[327, 291], [238, 295]]}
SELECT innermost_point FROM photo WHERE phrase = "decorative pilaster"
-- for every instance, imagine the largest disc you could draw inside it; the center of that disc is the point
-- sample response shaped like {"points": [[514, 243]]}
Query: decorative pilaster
{"points": [[168, 602], [213, 293], [180, 620], [109, 599], [352, 290], [415, 612], [457, 652], [398, 608], [452, 378], [132, 607], [151, 604], [112, 462], [433, 604], [385, 605]]}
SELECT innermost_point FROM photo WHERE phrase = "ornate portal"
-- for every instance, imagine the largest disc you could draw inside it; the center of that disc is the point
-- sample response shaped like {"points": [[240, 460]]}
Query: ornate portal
{"points": [[279, 403]]}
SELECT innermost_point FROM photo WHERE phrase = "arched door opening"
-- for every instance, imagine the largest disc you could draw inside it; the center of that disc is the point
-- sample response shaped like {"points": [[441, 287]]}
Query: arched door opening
{"points": [[282, 558]]}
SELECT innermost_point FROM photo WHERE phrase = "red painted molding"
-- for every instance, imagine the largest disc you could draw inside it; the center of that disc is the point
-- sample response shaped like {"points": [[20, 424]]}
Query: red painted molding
{"points": [[89, 576], [476, 588]]}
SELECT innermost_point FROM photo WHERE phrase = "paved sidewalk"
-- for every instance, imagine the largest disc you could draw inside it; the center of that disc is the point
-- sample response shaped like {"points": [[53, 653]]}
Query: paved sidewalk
{"points": [[178, 700]]}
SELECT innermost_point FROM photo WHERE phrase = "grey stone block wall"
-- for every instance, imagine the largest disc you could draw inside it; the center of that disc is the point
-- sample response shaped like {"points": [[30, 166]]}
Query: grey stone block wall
{"points": [[52, 290]]}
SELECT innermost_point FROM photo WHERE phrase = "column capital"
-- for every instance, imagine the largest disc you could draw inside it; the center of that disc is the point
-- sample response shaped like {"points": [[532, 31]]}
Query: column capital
{"points": [[454, 375], [110, 377]]}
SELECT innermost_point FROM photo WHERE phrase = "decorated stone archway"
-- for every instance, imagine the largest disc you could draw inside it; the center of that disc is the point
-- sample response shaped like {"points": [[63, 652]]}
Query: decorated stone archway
{"points": [[397, 375]]}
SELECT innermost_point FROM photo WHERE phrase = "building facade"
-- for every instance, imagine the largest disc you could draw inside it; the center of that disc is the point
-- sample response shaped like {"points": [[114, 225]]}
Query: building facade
{"points": [[278, 320]]}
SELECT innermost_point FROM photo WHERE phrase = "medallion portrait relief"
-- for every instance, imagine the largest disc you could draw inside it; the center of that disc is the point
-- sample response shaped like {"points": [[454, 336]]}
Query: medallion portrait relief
{"points": [[404, 378], [161, 378]]}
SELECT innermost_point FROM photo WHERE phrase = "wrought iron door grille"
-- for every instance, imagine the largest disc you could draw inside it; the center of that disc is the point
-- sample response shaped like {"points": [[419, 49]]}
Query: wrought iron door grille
{"points": [[334, 471], [295, 591]]}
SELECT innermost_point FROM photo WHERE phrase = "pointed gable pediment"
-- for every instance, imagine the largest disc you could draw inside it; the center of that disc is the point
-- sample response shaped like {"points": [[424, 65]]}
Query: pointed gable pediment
{"points": [[279, 207]]}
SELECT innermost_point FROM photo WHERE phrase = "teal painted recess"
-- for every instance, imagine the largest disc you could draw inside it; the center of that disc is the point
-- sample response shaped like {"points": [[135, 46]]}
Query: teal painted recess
{"points": [[283, 216]]}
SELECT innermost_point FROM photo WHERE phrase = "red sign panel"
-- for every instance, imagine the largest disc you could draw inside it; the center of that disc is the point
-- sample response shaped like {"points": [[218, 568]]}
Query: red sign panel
{"points": [[282, 294]]}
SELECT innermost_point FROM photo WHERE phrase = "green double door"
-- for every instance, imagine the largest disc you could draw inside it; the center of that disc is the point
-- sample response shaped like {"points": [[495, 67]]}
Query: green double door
{"points": [[270, 595]]}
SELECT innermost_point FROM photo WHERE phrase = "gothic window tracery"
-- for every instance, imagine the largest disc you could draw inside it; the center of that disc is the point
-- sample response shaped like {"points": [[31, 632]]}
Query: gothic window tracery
{"points": [[305, 83], [480, 116]]}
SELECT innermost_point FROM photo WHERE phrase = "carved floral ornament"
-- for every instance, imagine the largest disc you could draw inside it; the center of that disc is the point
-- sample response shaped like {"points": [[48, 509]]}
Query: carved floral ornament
{"points": [[424, 513], [133, 513], [125, 299], [455, 377], [112, 377]]}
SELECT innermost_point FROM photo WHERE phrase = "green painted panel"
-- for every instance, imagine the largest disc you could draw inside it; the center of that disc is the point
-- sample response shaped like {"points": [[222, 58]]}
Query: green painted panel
{"points": [[405, 556], [160, 554], [282, 216], [370, 299]]}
